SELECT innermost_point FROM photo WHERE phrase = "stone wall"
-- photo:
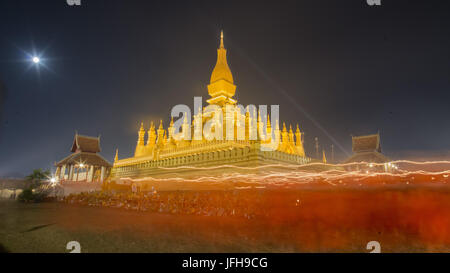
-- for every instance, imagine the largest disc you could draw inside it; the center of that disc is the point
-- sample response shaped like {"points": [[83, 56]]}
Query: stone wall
{"points": [[65, 188], [10, 188]]}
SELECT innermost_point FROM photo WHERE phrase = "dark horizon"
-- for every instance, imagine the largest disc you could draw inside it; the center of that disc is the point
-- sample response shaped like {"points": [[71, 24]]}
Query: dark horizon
{"points": [[350, 68]]}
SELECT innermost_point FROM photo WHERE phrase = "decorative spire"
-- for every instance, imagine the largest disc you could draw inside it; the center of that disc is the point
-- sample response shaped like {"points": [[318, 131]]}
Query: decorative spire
{"points": [[151, 135], [116, 158], [221, 87], [221, 70], [221, 39], [299, 142], [260, 126], [171, 130], [291, 134], [152, 127], [140, 143], [141, 134], [284, 138], [160, 139], [186, 127], [298, 137], [277, 133], [324, 158]]}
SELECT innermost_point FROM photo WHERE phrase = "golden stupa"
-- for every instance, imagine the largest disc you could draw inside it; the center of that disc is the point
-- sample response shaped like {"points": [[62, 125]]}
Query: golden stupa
{"points": [[166, 153]]}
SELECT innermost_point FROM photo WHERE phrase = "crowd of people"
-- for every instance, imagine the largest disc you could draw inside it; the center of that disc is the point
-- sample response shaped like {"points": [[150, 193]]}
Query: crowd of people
{"points": [[207, 203]]}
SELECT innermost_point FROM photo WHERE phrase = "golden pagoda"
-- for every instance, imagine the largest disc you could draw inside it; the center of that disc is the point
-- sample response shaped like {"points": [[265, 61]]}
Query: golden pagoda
{"points": [[237, 141]]}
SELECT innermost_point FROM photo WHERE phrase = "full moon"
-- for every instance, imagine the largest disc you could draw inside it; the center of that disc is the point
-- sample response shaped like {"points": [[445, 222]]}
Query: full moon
{"points": [[36, 60]]}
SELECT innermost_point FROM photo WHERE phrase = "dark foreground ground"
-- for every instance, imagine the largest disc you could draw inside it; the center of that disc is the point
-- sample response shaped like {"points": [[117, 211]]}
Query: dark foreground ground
{"points": [[401, 219], [48, 227]]}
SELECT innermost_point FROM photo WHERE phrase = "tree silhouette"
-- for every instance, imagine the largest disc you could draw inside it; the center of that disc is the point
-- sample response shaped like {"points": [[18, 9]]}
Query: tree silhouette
{"points": [[36, 177]]}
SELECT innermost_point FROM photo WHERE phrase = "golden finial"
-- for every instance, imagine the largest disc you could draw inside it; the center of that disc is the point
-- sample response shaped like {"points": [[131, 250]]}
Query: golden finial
{"points": [[117, 155], [171, 122], [298, 129], [324, 158], [290, 128], [221, 39], [160, 124], [284, 127]]}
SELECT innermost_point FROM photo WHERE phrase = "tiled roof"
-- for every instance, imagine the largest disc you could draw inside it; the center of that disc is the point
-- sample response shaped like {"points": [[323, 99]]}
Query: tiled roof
{"points": [[371, 157], [86, 144], [367, 143], [85, 158]]}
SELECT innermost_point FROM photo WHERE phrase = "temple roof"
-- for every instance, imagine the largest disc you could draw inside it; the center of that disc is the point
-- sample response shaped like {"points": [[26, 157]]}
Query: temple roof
{"points": [[367, 143], [367, 149], [373, 157], [85, 144], [84, 158]]}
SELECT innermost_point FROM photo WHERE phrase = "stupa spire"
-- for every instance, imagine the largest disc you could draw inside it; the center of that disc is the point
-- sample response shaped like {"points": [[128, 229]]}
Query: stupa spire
{"points": [[291, 134], [221, 70], [141, 134], [140, 143], [221, 87], [299, 142], [298, 137], [151, 135]]}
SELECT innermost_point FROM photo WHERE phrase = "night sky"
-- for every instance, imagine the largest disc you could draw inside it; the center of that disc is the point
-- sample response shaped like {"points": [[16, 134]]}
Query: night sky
{"points": [[339, 68]]}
